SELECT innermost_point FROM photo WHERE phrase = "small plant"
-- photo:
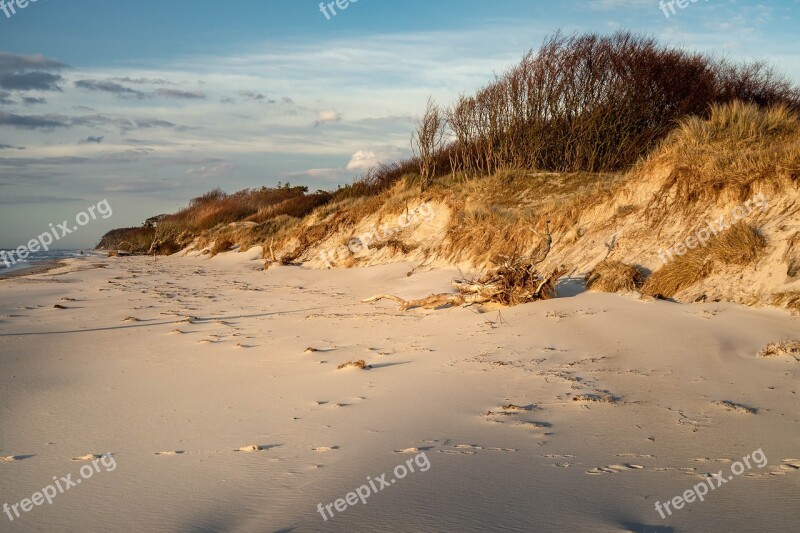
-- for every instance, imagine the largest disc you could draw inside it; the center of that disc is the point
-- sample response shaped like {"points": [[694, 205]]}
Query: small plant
{"points": [[360, 364], [785, 348]]}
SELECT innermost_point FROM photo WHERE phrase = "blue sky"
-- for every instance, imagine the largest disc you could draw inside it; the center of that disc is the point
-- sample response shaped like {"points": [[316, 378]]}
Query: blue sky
{"points": [[150, 103]]}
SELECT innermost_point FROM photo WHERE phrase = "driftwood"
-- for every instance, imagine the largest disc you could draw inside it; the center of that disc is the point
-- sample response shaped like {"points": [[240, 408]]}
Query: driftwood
{"points": [[514, 283]]}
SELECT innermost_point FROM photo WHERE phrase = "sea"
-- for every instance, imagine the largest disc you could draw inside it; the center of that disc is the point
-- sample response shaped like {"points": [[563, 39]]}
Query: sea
{"points": [[36, 258]]}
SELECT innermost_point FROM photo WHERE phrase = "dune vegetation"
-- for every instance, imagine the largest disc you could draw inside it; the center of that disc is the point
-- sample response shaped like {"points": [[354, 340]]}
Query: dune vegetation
{"points": [[585, 138]]}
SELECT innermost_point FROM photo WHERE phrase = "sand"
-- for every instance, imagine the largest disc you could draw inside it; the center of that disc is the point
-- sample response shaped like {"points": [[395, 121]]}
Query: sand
{"points": [[214, 385]]}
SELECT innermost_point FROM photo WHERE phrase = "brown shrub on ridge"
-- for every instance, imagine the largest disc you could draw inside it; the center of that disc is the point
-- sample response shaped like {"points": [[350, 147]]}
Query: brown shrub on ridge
{"points": [[614, 276], [134, 240]]}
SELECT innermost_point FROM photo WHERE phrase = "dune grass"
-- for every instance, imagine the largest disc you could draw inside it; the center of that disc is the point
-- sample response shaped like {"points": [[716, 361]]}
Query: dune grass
{"points": [[614, 276], [740, 245], [739, 150]]}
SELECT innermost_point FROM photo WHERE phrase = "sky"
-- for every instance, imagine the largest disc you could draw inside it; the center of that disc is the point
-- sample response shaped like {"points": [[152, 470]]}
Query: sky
{"points": [[148, 104]]}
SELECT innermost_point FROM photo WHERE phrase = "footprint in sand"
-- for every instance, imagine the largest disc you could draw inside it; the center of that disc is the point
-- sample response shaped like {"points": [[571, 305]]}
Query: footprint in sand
{"points": [[510, 410], [470, 449], [736, 407], [324, 448], [614, 469], [598, 397], [407, 450], [173, 452]]}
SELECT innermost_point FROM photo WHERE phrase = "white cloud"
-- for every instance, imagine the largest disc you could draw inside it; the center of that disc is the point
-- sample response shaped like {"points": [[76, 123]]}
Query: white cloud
{"points": [[328, 115], [210, 171], [366, 159]]}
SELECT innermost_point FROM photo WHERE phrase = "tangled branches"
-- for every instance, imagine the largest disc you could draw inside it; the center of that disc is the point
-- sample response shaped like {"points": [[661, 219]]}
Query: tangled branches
{"points": [[515, 282]]}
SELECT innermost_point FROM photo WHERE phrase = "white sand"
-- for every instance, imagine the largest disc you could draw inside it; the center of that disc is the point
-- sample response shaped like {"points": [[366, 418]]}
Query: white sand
{"points": [[232, 425]]}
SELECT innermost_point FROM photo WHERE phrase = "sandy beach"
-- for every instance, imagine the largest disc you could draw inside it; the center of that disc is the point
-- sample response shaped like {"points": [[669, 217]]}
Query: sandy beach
{"points": [[214, 386]]}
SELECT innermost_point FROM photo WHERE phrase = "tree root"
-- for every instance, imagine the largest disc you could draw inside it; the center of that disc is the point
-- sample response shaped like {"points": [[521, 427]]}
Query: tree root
{"points": [[512, 284]]}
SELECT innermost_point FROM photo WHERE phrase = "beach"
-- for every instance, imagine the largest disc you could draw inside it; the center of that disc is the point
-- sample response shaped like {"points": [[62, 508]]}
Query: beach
{"points": [[215, 388]]}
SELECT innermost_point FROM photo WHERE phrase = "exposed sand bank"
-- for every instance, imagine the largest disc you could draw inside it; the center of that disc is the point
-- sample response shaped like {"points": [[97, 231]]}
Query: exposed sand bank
{"points": [[571, 414]]}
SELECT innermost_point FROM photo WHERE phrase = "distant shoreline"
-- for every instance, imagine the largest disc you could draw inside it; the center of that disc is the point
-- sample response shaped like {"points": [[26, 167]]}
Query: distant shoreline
{"points": [[36, 268]]}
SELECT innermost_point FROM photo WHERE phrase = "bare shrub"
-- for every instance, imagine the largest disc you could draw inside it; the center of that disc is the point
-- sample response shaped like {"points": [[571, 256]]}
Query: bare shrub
{"points": [[427, 143]]}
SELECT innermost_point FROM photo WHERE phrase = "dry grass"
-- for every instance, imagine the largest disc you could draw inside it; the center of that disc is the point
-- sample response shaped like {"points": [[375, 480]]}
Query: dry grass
{"points": [[221, 245], [360, 364], [740, 245], [792, 256], [395, 246], [782, 348], [785, 348], [789, 300], [614, 276], [738, 151], [678, 275], [506, 213]]}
